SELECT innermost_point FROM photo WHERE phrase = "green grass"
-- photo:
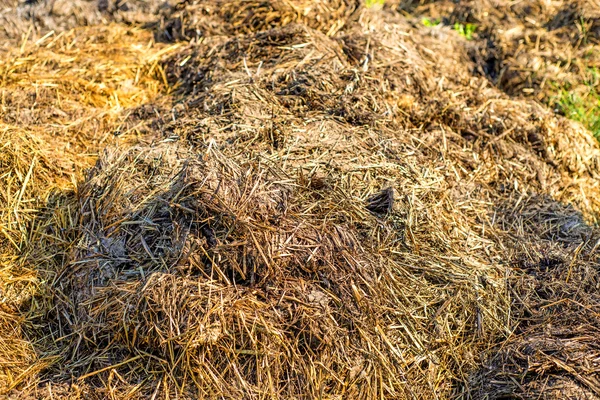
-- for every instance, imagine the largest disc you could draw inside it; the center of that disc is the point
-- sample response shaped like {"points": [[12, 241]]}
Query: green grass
{"points": [[430, 23], [465, 30], [582, 108], [372, 3]]}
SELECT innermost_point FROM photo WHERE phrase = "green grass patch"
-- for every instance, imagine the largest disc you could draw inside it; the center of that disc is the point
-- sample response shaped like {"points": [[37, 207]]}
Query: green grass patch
{"points": [[584, 108], [465, 30], [582, 105], [430, 23], [373, 3]]}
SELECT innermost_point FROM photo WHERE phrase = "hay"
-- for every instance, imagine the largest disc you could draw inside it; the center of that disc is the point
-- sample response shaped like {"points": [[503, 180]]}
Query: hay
{"points": [[199, 19], [34, 19], [315, 205], [53, 118], [531, 48]]}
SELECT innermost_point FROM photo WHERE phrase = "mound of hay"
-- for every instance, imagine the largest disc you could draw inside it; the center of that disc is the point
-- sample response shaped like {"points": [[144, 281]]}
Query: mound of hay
{"points": [[313, 210], [171, 20], [22, 20], [198, 19], [53, 118]]}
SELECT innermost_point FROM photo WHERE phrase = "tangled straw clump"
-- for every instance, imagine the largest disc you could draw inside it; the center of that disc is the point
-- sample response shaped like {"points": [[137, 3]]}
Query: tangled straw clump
{"points": [[53, 117], [238, 282], [314, 205], [237, 277], [200, 18]]}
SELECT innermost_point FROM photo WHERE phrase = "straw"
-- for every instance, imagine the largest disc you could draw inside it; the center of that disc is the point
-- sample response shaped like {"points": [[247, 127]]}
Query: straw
{"points": [[290, 199]]}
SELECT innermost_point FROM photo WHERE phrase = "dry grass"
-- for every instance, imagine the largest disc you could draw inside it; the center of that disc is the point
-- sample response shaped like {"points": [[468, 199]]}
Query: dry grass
{"points": [[317, 205], [546, 50], [63, 98]]}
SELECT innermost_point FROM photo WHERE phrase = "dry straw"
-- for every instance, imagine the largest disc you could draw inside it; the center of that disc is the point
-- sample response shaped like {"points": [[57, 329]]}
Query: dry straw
{"points": [[296, 203]]}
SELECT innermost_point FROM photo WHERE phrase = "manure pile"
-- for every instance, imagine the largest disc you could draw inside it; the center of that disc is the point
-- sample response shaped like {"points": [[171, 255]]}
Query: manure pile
{"points": [[284, 200]]}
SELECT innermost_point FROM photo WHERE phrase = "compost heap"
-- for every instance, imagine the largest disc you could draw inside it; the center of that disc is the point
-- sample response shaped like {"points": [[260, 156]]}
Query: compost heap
{"points": [[293, 199]]}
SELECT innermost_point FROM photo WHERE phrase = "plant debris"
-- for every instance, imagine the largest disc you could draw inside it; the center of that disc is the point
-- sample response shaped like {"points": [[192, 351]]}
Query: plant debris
{"points": [[191, 206]]}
